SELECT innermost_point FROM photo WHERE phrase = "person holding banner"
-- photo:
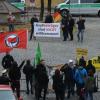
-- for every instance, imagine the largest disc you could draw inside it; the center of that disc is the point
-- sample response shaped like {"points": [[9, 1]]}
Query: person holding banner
{"points": [[64, 25], [33, 19]]}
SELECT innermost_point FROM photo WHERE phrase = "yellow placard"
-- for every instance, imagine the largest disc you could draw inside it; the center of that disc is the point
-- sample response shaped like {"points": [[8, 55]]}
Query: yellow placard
{"points": [[96, 62], [81, 52]]}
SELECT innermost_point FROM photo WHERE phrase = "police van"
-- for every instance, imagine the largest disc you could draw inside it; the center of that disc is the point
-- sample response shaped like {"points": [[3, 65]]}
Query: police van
{"points": [[79, 7]]}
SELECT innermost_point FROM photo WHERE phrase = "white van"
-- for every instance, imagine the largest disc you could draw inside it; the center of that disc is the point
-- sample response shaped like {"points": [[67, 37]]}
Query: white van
{"points": [[79, 7]]}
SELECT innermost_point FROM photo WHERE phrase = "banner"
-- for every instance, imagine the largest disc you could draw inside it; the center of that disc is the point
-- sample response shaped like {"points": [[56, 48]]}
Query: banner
{"points": [[47, 29], [15, 39], [81, 52], [96, 62]]}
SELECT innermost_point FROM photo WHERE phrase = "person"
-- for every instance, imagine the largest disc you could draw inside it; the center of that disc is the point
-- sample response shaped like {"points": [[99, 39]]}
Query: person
{"points": [[41, 80], [70, 27], [89, 86], [4, 79], [33, 20], [15, 75], [7, 60], [29, 71], [11, 20], [64, 25], [49, 18], [58, 85], [81, 28], [82, 61], [80, 77], [68, 80], [90, 67]]}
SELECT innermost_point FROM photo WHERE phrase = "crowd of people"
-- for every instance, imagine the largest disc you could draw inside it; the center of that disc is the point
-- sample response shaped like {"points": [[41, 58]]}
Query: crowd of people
{"points": [[65, 79]]}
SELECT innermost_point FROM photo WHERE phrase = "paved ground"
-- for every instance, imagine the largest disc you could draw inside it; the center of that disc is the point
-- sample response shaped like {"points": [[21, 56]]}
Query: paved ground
{"points": [[55, 51]]}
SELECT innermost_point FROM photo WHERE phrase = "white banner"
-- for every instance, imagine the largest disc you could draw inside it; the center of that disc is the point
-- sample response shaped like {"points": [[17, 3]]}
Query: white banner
{"points": [[47, 29]]}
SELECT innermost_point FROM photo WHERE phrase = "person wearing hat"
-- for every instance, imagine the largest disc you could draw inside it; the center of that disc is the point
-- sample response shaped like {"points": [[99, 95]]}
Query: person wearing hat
{"points": [[4, 80]]}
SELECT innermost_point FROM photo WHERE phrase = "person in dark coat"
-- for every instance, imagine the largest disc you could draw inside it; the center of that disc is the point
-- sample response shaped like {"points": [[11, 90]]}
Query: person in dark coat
{"points": [[33, 20], [58, 85], [64, 25], [68, 81], [49, 18], [90, 67], [4, 79], [7, 61], [70, 27], [82, 62], [41, 80], [28, 70], [15, 75], [81, 28]]}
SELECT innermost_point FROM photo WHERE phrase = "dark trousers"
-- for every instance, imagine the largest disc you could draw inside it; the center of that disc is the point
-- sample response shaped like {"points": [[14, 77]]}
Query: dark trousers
{"points": [[16, 86], [11, 27], [59, 95], [65, 33], [38, 90], [29, 81], [71, 33], [32, 32]]}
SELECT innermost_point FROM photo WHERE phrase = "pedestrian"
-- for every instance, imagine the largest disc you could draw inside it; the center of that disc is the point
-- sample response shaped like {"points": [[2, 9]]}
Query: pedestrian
{"points": [[90, 67], [58, 85], [80, 77], [4, 79], [64, 25], [42, 80], [28, 70], [49, 18], [15, 76], [89, 86], [81, 28], [68, 80], [11, 21], [33, 20], [7, 60], [70, 27], [82, 61]]}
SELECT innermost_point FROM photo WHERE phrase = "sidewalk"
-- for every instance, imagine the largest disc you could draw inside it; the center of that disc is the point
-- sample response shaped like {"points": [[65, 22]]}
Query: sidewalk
{"points": [[51, 96]]}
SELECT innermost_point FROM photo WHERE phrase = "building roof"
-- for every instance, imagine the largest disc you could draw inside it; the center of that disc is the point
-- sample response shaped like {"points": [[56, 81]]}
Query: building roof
{"points": [[6, 7]]}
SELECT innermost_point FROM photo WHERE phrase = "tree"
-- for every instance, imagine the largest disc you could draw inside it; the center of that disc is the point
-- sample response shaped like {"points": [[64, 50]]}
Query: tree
{"points": [[49, 5], [97, 1], [42, 10]]}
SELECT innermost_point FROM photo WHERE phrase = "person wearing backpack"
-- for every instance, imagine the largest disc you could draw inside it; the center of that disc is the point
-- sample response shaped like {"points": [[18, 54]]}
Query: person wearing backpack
{"points": [[89, 86], [80, 77]]}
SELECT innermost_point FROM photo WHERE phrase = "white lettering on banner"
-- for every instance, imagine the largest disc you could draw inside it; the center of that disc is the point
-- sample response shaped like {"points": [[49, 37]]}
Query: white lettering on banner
{"points": [[47, 29]]}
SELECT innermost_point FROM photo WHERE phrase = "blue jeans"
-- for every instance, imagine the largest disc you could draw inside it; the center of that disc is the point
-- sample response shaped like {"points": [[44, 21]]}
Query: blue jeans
{"points": [[89, 95], [80, 35]]}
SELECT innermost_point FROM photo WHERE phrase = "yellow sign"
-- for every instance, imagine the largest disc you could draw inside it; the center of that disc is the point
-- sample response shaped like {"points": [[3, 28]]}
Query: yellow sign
{"points": [[81, 52], [96, 62]]}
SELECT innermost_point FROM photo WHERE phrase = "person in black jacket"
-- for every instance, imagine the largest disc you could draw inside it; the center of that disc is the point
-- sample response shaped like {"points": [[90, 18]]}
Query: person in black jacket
{"points": [[49, 18], [70, 27], [41, 80], [58, 85], [68, 80], [15, 75], [64, 25], [7, 61], [81, 28], [33, 19], [28, 70]]}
